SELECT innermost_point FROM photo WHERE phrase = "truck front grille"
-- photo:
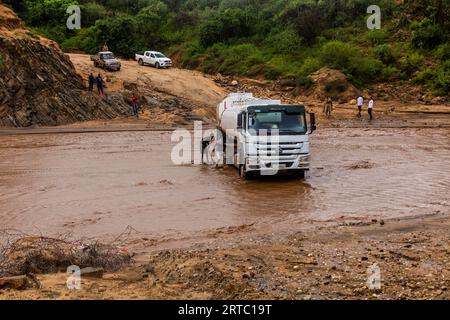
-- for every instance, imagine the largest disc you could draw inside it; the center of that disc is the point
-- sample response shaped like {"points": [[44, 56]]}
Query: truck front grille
{"points": [[284, 152]]}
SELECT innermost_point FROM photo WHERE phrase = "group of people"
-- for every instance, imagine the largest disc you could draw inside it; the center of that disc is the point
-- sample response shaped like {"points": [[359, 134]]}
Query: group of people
{"points": [[360, 103], [99, 82], [328, 107]]}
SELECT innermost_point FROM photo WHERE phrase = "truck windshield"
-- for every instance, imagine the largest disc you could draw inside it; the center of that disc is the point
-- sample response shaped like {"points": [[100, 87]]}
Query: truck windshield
{"points": [[107, 56], [287, 123], [159, 55]]}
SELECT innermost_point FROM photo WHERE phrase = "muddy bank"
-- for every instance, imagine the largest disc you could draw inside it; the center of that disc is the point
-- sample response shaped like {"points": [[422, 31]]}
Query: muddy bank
{"points": [[324, 263]]}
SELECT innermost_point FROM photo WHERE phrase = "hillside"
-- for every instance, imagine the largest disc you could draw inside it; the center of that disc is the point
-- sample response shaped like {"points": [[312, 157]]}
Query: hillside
{"points": [[269, 39], [39, 84]]}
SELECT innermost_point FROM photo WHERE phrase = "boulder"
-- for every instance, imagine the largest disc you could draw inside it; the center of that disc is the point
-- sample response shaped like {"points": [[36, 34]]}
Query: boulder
{"points": [[16, 282]]}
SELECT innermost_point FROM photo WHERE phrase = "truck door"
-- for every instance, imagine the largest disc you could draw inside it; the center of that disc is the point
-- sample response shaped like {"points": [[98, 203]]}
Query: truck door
{"points": [[101, 60], [147, 57], [152, 59]]}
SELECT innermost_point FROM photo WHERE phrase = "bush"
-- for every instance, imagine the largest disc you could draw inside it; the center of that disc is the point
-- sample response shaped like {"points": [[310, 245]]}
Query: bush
{"points": [[342, 56], [48, 12], [223, 26], [443, 52], [377, 36], [411, 63], [384, 53], [91, 12], [389, 73], [337, 54], [441, 85], [309, 66], [239, 59], [118, 33], [365, 69], [424, 76], [426, 34], [283, 41]]}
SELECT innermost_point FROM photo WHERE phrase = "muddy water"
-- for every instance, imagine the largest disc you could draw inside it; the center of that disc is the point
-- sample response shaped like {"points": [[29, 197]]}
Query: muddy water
{"points": [[96, 184]]}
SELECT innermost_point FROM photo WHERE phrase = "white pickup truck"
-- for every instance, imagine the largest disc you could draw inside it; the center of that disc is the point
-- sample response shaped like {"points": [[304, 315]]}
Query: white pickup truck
{"points": [[153, 58]]}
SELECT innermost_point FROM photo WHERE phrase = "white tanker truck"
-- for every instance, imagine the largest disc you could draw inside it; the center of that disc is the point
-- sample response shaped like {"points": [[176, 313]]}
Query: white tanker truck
{"points": [[262, 137]]}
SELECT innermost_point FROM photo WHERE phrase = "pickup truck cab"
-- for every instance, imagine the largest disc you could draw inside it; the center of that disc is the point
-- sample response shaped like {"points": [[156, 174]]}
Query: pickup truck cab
{"points": [[106, 60], [153, 58]]}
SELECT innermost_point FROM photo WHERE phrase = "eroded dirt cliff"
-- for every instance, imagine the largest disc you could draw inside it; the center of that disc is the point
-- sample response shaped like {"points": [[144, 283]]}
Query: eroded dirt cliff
{"points": [[39, 84]]}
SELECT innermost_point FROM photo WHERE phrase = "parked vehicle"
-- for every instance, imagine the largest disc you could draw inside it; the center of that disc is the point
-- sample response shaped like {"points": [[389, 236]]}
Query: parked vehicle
{"points": [[264, 137], [153, 58], [106, 60]]}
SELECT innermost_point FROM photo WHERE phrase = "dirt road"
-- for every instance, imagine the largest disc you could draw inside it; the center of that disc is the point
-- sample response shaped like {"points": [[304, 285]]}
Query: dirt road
{"points": [[188, 84]]}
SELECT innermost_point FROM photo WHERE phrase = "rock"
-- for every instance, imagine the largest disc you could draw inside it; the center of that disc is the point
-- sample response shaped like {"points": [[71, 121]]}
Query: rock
{"points": [[39, 84], [90, 272], [234, 83], [152, 102], [17, 282]]}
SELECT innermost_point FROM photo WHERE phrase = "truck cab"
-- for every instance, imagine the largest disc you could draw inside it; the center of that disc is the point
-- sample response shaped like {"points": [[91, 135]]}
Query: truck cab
{"points": [[266, 136], [153, 58]]}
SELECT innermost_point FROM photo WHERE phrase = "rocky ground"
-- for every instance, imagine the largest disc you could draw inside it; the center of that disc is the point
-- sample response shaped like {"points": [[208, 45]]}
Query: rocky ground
{"points": [[333, 262], [39, 85]]}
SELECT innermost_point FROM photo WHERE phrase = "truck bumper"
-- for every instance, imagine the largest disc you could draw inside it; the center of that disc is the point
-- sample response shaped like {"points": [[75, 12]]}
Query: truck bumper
{"points": [[265, 166]]}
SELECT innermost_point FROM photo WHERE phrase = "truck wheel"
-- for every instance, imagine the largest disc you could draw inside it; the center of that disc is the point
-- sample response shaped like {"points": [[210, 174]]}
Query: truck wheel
{"points": [[157, 65], [243, 172], [141, 62], [300, 175]]}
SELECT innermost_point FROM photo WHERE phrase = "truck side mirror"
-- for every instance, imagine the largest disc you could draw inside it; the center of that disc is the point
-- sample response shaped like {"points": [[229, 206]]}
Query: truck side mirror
{"points": [[240, 117], [312, 120]]}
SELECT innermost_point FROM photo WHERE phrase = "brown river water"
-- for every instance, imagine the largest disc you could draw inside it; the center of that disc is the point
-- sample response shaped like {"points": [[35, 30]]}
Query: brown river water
{"points": [[97, 184]]}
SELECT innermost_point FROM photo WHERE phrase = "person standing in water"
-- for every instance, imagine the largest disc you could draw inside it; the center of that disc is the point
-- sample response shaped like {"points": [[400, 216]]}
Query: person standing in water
{"points": [[360, 103], [370, 109], [99, 81], [328, 107]]}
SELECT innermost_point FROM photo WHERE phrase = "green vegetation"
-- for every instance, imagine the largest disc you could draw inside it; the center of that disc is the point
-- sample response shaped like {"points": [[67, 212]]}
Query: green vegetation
{"points": [[268, 39]]}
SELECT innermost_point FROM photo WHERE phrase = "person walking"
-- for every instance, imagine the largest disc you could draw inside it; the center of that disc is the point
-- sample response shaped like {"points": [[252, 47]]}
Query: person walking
{"points": [[134, 104], [91, 82], [99, 81], [360, 103], [328, 107], [370, 109]]}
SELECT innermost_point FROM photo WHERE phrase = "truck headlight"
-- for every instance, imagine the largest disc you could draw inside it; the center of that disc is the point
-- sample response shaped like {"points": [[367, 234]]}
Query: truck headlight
{"points": [[305, 158], [252, 162]]}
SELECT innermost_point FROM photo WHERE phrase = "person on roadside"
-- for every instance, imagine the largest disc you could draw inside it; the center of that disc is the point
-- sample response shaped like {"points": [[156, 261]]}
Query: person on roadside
{"points": [[328, 107], [370, 109], [360, 103], [99, 81], [134, 104], [91, 82]]}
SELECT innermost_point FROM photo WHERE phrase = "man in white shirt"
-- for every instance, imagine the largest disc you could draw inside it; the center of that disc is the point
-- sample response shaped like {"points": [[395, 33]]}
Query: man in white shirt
{"points": [[370, 109], [360, 105]]}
